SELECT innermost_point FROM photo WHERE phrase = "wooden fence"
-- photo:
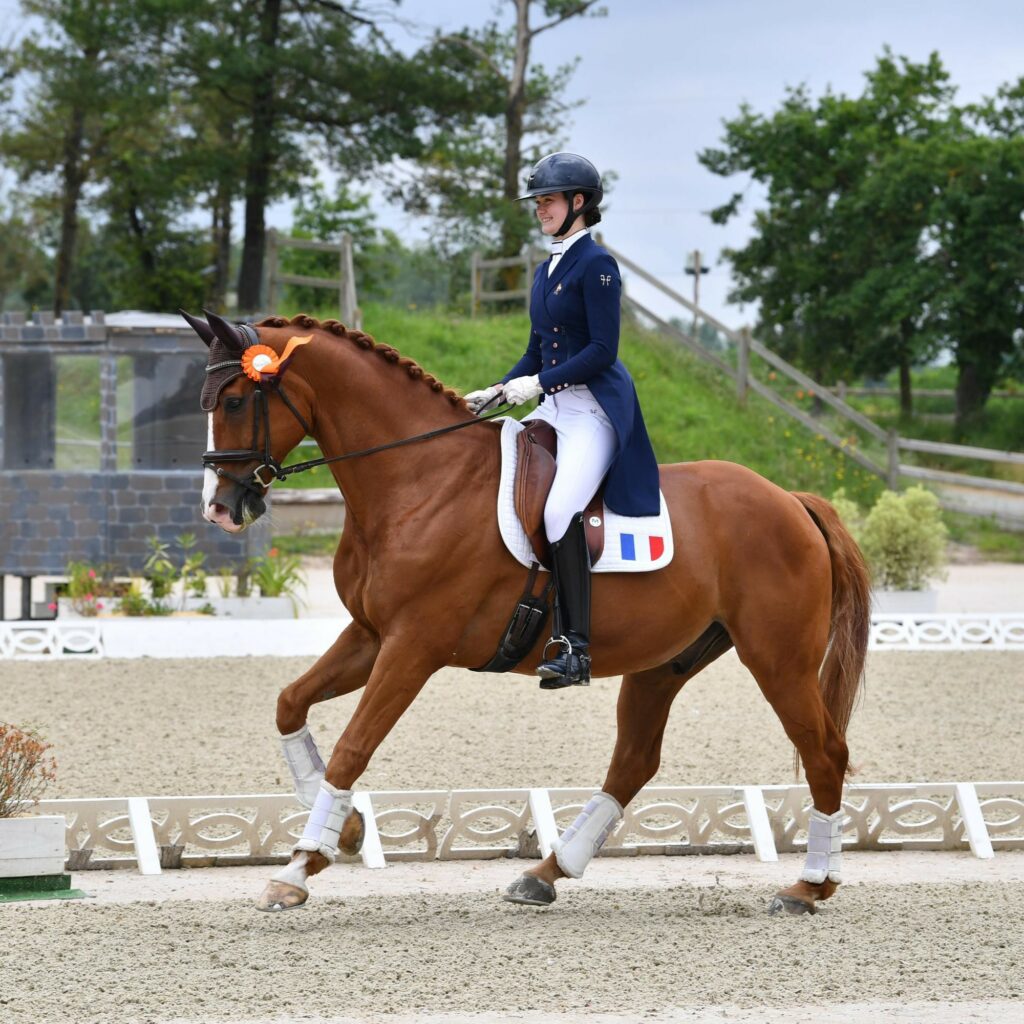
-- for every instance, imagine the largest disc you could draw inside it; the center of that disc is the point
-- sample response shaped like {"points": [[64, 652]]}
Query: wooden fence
{"points": [[1001, 499], [528, 262], [344, 284]]}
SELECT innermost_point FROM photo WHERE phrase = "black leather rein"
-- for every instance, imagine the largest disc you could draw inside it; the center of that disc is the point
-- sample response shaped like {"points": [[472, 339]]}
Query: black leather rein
{"points": [[255, 482]]}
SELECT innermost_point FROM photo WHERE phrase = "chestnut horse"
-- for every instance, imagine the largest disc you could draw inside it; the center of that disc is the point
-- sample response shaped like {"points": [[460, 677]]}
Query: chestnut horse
{"points": [[423, 570]]}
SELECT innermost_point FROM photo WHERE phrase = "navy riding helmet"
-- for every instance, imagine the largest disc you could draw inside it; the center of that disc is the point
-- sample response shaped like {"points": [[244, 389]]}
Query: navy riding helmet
{"points": [[568, 173]]}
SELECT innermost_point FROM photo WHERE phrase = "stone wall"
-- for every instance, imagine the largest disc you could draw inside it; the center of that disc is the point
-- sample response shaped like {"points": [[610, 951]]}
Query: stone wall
{"points": [[49, 517]]}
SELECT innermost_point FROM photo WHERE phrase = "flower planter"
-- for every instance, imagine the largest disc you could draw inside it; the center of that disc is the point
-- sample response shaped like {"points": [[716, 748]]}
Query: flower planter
{"points": [[254, 607], [228, 607], [32, 846], [904, 602]]}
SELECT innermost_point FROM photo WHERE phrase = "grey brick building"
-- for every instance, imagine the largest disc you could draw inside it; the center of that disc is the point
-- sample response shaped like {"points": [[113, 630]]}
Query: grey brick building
{"points": [[100, 441]]}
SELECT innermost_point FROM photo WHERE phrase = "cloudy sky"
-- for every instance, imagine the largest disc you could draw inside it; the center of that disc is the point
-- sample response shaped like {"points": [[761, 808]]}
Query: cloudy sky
{"points": [[658, 77]]}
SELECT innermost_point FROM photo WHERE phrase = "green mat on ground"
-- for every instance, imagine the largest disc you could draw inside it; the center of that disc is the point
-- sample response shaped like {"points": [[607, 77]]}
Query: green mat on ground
{"points": [[39, 887]]}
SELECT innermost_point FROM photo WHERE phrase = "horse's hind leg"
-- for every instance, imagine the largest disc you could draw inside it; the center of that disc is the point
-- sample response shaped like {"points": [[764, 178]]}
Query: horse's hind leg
{"points": [[645, 699], [788, 678]]}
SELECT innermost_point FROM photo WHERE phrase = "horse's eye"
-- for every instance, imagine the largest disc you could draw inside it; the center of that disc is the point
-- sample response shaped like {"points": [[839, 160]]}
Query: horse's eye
{"points": [[233, 403]]}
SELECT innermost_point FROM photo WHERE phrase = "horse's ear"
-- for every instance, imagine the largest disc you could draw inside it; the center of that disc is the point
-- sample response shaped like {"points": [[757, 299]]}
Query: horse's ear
{"points": [[227, 332], [201, 327]]}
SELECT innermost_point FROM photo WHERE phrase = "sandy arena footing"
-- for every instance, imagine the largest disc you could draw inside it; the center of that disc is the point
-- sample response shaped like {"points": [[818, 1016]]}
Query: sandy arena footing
{"points": [[911, 937]]}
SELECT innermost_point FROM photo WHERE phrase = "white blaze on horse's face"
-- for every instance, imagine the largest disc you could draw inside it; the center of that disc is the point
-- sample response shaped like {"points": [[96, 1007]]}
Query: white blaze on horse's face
{"points": [[213, 512]]}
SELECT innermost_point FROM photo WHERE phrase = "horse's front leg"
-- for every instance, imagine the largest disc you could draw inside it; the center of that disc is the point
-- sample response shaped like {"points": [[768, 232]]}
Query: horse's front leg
{"points": [[344, 667], [398, 675]]}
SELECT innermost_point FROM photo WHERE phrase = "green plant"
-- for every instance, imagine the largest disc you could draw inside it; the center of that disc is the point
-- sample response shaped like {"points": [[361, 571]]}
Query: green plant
{"points": [[192, 574], [134, 602], [225, 581], [26, 767], [85, 587], [158, 569], [903, 539], [278, 575]]}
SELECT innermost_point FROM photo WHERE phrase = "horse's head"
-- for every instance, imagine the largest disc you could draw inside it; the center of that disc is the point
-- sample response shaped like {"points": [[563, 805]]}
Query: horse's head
{"points": [[253, 423]]}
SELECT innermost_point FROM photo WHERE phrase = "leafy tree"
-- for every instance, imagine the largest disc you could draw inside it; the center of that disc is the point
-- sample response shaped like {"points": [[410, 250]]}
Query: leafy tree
{"points": [[303, 80], [470, 173], [834, 262], [93, 49], [978, 234], [25, 270]]}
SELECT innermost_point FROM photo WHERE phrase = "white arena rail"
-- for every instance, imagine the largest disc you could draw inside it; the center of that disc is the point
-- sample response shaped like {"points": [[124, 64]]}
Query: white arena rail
{"points": [[201, 831], [210, 637]]}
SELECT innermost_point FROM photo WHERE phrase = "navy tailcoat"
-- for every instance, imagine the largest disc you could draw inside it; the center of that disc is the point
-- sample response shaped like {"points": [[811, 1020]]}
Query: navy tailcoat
{"points": [[574, 339]]}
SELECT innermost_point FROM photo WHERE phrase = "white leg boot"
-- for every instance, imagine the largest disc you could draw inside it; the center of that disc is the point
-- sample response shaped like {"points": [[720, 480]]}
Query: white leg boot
{"points": [[824, 847], [305, 764]]}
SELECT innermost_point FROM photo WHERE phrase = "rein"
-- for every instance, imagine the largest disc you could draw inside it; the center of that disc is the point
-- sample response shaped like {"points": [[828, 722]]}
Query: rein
{"points": [[255, 481]]}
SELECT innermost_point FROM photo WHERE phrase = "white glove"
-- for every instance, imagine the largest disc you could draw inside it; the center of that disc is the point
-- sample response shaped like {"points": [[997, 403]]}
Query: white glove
{"points": [[522, 389], [478, 400]]}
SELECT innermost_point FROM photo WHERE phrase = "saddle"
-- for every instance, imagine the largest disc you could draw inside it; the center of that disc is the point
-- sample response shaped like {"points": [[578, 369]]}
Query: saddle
{"points": [[536, 448]]}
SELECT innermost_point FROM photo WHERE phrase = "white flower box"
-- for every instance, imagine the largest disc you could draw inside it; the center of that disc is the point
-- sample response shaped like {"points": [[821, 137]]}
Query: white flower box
{"points": [[905, 602], [32, 846]]}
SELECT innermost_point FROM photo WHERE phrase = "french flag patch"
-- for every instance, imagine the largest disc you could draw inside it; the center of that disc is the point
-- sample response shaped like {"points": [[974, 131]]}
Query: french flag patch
{"points": [[652, 550]]}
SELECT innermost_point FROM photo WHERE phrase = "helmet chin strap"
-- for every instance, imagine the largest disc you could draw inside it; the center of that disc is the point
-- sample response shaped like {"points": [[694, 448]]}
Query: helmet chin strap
{"points": [[570, 217]]}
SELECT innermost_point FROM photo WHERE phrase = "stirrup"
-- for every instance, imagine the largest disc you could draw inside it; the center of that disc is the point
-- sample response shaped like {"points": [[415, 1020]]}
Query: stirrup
{"points": [[570, 668]]}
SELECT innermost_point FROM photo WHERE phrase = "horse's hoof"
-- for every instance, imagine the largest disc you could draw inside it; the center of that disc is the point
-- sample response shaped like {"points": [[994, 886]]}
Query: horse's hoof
{"points": [[530, 891], [353, 831], [782, 904], [281, 896]]}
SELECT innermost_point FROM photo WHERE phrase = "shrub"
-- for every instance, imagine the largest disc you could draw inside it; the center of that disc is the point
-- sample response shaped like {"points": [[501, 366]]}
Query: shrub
{"points": [[903, 539], [26, 768], [277, 575], [85, 587]]}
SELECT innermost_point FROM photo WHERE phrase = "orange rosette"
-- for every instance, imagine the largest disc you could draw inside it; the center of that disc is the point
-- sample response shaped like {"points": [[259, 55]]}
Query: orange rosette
{"points": [[261, 361]]}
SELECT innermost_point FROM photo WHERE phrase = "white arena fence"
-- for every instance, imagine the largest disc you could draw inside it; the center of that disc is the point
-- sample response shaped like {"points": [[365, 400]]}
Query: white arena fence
{"points": [[204, 637], [201, 831]]}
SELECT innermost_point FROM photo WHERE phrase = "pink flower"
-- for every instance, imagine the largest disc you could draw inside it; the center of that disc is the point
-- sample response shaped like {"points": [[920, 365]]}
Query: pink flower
{"points": [[52, 606], [88, 597], [92, 574], [99, 605]]}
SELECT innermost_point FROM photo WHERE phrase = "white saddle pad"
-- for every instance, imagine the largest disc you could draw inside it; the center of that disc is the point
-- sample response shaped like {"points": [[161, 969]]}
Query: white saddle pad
{"points": [[631, 544]]}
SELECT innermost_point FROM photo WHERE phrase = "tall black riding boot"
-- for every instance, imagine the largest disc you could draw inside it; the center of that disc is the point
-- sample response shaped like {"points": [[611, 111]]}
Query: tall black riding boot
{"points": [[570, 564]]}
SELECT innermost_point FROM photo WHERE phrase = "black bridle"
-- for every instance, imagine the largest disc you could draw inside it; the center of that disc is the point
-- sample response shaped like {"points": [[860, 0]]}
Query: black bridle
{"points": [[255, 483]]}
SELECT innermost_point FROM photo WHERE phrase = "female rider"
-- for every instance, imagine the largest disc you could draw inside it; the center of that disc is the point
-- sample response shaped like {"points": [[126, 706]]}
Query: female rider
{"points": [[586, 394]]}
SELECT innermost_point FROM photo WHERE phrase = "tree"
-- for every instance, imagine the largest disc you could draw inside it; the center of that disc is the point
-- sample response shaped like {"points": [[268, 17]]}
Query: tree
{"points": [[469, 179], [979, 237], [93, 48], [304, 80], [835, 259]]}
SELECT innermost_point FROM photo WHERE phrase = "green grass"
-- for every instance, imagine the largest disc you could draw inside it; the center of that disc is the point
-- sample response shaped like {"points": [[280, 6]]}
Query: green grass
{"points": [[992, 541], [307, 544], [690, 409]]}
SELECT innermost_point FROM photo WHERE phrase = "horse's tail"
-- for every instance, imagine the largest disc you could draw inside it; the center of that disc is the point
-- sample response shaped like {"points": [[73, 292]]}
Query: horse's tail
{"points": [[850, 624]]}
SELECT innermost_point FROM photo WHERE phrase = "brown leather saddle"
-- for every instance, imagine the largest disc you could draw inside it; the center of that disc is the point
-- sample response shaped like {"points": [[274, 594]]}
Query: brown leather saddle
{"points": [[536, 447]]}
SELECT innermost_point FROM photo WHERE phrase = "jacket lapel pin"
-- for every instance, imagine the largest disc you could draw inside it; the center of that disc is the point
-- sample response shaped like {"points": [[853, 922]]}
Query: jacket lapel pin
{"points": [[558, 288]]}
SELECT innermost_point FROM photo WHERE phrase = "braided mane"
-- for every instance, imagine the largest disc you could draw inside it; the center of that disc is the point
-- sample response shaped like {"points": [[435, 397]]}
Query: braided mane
{"points": [[365, 341]]}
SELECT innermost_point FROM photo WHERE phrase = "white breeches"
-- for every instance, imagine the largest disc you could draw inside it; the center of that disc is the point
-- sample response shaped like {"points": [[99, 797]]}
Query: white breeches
{"points": [[586, 448]]}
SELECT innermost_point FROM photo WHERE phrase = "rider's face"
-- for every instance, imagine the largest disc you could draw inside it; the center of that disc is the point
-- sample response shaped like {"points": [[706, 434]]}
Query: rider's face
{"points": [[552, 210]]}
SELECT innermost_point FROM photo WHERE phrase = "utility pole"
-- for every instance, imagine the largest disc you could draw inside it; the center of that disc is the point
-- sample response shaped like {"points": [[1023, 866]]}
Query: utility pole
{"points": [[695, 266]]}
